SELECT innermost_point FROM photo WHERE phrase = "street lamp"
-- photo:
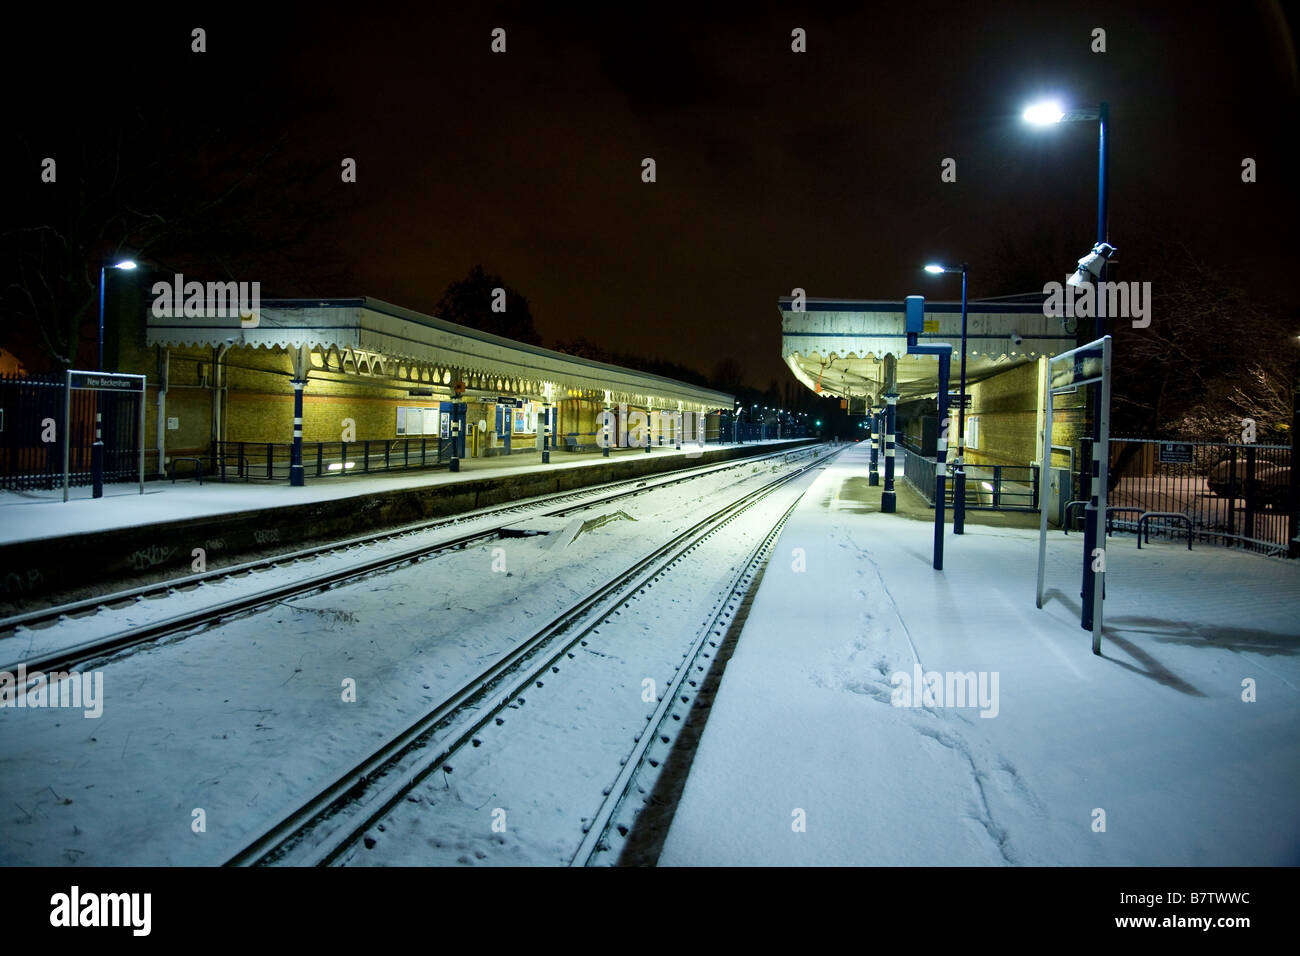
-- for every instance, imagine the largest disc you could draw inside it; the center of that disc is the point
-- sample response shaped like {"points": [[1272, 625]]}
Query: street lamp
{"points": [[97, 449], [1051, 113], [125, 265], [959, 465]]}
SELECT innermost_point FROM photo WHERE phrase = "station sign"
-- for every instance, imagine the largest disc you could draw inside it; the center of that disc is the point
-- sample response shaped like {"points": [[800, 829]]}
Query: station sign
{"points": [[105, 381], [1085, 369], [512, 402], [1175, 453]]}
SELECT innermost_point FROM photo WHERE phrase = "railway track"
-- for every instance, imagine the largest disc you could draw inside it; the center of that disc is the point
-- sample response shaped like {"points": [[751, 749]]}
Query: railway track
{"points": [[72, 656], [616, 816], [336, 818]]}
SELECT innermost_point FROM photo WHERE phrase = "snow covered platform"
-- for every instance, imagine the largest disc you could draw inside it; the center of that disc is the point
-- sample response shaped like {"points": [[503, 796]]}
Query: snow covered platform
{"points": [[131, 537], [28, 515], [1179, 745]]}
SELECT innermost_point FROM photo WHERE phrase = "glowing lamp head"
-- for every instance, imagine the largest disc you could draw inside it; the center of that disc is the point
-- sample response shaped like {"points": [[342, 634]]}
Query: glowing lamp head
{"points": [[1044, 114], [934, 269], [126, 264]]}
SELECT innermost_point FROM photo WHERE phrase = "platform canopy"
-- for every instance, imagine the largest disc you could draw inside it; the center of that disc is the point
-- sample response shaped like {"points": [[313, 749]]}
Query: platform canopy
{"points": [[369, 337], [837, 347]]}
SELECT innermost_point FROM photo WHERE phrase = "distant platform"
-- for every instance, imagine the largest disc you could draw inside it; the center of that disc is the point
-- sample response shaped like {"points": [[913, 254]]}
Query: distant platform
{"points": [[48, 546]]}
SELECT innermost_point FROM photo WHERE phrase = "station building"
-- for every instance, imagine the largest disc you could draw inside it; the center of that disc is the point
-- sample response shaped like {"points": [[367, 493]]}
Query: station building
{"points": [[373, 376]]}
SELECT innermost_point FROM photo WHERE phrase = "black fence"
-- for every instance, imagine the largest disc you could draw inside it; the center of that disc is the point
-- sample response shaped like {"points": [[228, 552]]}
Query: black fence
{"points": [[32, 433], [1236, 495], [269, 461], [988, 487]]}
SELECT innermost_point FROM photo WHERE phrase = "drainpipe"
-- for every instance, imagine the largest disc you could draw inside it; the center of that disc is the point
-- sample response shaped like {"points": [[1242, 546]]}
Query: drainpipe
{"points": [[217, 388], [160, 439]]}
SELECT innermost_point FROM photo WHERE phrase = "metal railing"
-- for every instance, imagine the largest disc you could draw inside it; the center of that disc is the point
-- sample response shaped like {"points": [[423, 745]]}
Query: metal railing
{"points": [[1232, 494], [999, 487], [270, 461], [918, 470], [988, 487]]}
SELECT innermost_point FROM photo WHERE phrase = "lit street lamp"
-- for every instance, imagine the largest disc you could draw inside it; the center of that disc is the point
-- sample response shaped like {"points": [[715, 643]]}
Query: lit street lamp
{"points": [[1049, 114], [97, 449], [959, 465]]}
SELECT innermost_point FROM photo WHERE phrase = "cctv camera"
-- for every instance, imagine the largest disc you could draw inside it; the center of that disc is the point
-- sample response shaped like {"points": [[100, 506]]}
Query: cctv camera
{"points": [[1093, 263], [1017, 338]]}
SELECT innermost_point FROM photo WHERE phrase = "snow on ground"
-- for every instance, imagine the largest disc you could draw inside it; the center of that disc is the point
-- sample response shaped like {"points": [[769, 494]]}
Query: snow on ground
{"points": [[246, 719], [28, 515], [1155, 734]]}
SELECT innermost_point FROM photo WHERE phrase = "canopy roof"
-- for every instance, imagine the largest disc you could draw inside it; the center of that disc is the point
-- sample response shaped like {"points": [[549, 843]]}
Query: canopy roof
{"points": [[841, 344], [371, 337]]}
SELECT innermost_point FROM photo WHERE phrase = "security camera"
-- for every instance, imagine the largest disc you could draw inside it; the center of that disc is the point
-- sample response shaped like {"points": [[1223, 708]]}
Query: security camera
{"points": [[1017, 338], [1090, 266]]}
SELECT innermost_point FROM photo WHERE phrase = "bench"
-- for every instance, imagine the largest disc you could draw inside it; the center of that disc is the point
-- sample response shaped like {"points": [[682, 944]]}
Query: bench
{"points": [[572, 442]]}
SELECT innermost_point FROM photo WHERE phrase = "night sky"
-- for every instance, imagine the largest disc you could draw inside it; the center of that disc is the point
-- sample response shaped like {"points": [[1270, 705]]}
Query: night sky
{"points": [[775, 169]]}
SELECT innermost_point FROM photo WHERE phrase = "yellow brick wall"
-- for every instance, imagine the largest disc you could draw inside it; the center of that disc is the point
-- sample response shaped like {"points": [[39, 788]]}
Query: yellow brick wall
{"points": [[1006, 406], [258, 403]]}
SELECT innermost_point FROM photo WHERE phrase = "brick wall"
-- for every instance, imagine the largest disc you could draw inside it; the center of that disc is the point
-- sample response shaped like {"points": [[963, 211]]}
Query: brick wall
{"points": [[1006, 408]]}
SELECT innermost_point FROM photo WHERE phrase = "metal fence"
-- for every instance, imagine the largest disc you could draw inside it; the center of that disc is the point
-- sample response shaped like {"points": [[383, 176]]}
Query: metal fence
{"points": [[918, 470], [988, 487], [33, 433], [1233, 494], [999, 487], [271, 460]]}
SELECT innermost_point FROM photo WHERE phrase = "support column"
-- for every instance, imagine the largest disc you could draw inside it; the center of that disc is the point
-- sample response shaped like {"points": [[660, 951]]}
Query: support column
{"points": [[296, 477], [873, 476], [649, 434], [454, 464], [941, 464], [97, 453], [888, 500], [546, 429], [301, 366], [604, 426]]}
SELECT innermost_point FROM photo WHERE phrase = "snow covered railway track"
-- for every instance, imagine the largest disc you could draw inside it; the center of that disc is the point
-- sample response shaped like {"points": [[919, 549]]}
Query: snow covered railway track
{"points": [[559, 505], [325, 827], [694, 678]]}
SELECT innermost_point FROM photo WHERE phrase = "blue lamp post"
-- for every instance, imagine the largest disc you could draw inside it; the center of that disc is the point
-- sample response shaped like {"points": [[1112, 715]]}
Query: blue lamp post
{"points": [[959, 463], [97, 449]]}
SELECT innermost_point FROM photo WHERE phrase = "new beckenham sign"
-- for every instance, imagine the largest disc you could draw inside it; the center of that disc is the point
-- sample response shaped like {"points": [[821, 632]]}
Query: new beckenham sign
{"points": [[105, 382]]}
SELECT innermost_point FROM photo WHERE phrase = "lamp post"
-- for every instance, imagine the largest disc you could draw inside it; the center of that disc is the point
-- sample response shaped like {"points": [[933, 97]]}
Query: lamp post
{"points": [[959, 463], [97, 449], [1049, 114]]}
